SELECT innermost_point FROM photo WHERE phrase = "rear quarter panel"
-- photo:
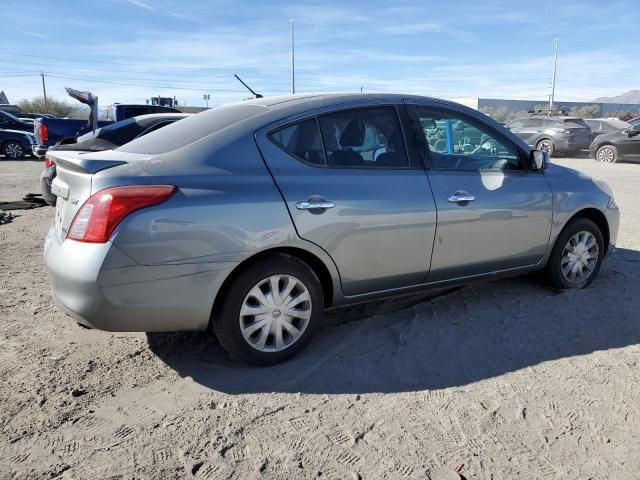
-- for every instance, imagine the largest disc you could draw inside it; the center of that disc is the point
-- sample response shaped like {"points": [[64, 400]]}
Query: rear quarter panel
{"points": [[227, 207]]}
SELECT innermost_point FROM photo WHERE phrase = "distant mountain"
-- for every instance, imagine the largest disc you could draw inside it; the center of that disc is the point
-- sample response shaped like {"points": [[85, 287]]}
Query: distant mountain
{"points": [[632, 96]]}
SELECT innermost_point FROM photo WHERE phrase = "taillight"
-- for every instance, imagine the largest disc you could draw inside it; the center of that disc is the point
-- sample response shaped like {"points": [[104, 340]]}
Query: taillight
{"points": [[48, 162], [44, 133], [103, 211]]}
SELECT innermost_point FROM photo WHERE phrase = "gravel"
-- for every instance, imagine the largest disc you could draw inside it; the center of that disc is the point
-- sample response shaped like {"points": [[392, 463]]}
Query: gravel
{"points": [[503, 380]]}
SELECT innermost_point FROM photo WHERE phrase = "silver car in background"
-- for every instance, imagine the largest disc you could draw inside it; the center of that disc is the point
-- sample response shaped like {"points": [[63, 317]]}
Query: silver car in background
{"points": [[252, 218]]}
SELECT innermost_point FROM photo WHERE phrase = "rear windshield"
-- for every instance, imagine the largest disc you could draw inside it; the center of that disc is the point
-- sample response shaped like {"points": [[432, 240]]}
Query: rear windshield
{"points": [[191, 129], [575, 122]]}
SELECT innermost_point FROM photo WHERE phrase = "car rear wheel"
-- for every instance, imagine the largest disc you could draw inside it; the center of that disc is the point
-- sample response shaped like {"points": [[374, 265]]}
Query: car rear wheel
{"points": [[546, 145], [270, 311], [13, 150], [576, 256], [607, 154]]}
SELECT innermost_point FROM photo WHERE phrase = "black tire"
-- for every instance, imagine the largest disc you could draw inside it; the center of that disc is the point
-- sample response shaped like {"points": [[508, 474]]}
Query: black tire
{"points": [[13, 150], [553, 269], [226, 316], [546, 145], [607, 154]]}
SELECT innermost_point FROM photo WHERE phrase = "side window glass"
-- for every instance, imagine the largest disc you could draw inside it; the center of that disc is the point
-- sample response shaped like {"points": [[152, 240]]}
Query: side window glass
{"points": [[302, 140], [517, 124], [460, 143], [365, 138]]}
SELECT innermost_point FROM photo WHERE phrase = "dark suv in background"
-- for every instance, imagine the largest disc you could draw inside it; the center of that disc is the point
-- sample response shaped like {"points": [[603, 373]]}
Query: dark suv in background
{"points": [[553, 134]]}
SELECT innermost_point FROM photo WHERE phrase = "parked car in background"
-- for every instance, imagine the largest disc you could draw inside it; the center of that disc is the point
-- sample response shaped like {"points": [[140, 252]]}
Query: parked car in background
{"points": [[105, 138], [16, 144], [600, 126], [620, 146], [553, 134], [634, 121], [52, 131], [33, 116], [255, 217], [13, 109], [9, 121]]}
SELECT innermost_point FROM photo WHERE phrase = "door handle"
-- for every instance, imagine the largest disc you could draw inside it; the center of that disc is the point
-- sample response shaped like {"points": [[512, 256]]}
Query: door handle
{"points": [[313, 204], [460, 196]]}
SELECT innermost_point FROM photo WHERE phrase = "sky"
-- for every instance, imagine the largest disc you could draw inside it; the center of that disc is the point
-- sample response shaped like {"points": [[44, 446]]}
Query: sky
{"points": [[129, 50]]}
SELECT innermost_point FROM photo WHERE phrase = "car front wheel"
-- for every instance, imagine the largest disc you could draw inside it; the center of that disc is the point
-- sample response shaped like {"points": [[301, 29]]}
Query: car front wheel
{"points": [[607, 154], [270, 311], [576, 256], [13, 150]]}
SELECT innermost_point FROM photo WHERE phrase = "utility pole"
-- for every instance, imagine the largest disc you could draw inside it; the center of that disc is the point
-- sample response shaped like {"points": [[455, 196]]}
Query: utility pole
{"points": [[293, 60], [44, 89], [553, 79]]}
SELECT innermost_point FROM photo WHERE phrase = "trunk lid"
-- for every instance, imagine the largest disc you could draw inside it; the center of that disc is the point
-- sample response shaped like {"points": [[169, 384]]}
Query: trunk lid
{"points": [[72, 185]]}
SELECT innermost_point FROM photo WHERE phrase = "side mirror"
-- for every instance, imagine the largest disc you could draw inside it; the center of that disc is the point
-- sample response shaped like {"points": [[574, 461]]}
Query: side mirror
{"points": [[538, 160]]}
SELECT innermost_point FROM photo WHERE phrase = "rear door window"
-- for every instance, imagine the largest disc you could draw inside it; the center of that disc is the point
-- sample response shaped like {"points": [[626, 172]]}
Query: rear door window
{"points": [[365, 138], [575, 123], [535, 123]]}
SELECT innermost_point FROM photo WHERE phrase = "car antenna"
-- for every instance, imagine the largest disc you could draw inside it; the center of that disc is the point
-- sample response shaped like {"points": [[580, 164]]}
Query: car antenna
{"points": [[255, 95]]}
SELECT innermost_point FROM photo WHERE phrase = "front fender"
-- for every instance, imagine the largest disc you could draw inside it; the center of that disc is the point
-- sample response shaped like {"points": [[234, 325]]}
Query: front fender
{"points": [[573, 192]]}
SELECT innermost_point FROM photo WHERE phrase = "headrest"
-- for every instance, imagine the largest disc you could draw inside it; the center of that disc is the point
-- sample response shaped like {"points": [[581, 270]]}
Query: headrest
{"points": [[353, 134]]}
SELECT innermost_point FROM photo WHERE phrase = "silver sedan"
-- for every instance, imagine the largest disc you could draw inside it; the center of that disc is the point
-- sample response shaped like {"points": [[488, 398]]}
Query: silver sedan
{"points": [[251, 219]]}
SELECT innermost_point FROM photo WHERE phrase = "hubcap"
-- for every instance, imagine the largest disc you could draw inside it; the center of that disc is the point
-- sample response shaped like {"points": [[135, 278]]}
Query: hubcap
{"points": [[545, 146], [13, 150], [579, 257], [275, 313], [606, 155]]}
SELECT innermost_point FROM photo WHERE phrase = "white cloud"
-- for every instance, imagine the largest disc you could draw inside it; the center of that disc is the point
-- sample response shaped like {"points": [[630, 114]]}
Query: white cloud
{"points": [[139, 3]]}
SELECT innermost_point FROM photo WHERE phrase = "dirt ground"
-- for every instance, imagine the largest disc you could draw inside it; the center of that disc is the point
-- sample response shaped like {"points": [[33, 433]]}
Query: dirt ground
{"points": [[508, 378]]}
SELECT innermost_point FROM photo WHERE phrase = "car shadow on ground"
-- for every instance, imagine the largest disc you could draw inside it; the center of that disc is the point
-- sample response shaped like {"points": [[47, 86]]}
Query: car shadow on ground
{"points": [[417, 343]]}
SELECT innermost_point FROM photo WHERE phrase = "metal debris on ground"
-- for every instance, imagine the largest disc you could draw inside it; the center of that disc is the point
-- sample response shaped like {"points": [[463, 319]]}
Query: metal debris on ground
{"points": [[6, 217]]}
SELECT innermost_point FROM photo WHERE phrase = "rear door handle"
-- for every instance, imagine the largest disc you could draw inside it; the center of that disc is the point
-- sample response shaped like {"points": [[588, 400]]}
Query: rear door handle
{"points": [[313, 204], [460, 196]]}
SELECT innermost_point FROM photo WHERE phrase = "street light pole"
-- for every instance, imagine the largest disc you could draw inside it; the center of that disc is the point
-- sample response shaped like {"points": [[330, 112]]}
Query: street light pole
{"points": [[44, 89], [553, 80], [293, 60]]}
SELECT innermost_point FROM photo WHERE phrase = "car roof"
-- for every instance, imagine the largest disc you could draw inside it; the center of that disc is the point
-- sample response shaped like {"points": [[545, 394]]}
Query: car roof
{"points": [[257, 113], [318, 100]]}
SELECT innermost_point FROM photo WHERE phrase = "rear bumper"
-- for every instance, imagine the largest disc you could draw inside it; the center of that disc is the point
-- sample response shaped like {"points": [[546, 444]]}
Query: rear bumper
{"points": [[100, 287], [38, 151], [46, 177]]}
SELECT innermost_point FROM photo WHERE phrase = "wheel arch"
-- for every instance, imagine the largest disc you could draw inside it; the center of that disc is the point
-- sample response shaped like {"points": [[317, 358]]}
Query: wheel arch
{"points": [[597, 217], [312, 260], [12, 140], [544, 137]]}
